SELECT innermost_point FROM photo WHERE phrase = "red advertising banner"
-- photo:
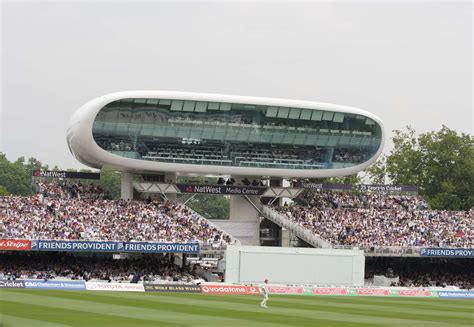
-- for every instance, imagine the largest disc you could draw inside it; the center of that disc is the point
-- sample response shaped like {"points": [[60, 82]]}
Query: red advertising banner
{"points": [[413, 293], [372, 291], [14, 245], [329, 291], [229, 289], [285, 290]]}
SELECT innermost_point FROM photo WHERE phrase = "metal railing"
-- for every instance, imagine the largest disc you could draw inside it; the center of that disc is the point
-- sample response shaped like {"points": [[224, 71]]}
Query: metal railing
{"points": [[301, 232], [234, 240]]}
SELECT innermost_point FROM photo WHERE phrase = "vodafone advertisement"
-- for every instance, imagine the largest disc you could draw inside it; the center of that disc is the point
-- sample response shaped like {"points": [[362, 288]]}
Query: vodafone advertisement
{"points": [[329, 291], [118, 287], [229, 289], [372, 291], [285, 290], [14, 245], [414, 293]]}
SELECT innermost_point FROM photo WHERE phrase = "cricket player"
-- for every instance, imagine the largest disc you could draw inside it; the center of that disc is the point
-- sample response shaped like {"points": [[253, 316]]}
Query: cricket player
{"points": [[263, 304]]}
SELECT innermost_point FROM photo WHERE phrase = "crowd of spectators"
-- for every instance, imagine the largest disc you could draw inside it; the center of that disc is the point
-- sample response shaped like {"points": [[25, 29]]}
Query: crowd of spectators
{"points": [[380, 220], [55, 214], [233, 154], [156, 268], [424, 272], [68, 190], [350, 155]]}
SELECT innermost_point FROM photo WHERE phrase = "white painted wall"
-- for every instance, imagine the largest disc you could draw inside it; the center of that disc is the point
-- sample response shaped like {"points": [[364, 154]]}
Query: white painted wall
{"points": [[331, 267]]}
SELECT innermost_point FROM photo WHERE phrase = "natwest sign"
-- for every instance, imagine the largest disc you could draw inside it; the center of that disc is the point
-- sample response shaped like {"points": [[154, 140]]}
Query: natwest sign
{"points": [[124, 287], [372, 291], [229, 289], [14, 245], [285, 290], [413, 293], [221, 189], [329, 291]]}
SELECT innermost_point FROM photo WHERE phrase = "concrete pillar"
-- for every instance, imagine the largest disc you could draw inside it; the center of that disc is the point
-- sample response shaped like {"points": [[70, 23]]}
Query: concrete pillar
{"points": [[126, 187], [285, 238], [241, 210], [277, 182], [170, 178]]}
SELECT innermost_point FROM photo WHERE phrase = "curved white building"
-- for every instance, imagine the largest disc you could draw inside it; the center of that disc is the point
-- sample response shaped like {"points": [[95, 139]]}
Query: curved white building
{"points": [[159, 131]]}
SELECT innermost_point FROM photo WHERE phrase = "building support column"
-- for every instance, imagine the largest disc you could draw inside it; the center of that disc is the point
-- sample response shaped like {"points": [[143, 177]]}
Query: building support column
{"points": [[170, 178], [285, 238], [243, 212], [126, 186]]}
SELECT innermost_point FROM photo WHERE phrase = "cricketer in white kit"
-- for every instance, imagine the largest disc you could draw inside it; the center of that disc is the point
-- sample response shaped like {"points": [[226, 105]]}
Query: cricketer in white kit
{"points": [[264, 290]]}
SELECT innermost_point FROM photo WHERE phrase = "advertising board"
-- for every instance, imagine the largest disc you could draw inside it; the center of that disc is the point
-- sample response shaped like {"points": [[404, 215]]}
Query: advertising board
{"points": [[329, 291], [117, 287], [414, 292], [285, 290], [456, 294], [175, 288], [372, 291], [221, 189], [55, 285], [447, 252], [98, 246], [12, 284], [14, 245], [229, 289]]}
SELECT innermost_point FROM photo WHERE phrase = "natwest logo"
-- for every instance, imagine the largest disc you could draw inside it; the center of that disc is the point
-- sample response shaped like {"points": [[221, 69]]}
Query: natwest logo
{"points": [[371, 291], [414, 293], [285, 290], [229, 289], [329, 291], [15, 245]]}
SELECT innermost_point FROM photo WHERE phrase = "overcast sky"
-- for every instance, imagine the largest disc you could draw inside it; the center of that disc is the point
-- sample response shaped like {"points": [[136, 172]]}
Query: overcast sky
{"points": [[410, 63]]}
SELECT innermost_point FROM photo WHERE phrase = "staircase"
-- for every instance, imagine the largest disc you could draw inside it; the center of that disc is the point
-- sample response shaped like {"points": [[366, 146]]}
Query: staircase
{"points": [[301, 232]]}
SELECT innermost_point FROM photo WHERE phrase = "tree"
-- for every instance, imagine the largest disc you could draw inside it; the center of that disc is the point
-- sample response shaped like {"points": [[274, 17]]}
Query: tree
{"points": [[404, 164], [440, 163], [15, 177], [353, 179], [110, 181], [377, 171], [211, 206], [3, 191]]}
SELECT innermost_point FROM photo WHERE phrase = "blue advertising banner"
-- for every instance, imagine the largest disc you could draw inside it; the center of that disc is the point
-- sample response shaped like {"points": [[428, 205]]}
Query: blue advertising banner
{"points": [[456, 294], [55, 285], [444, 252], [96, 246]]}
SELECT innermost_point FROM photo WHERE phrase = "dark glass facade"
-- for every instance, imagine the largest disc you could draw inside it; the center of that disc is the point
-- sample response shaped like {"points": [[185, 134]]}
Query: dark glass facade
{"points": [[240, 135]]}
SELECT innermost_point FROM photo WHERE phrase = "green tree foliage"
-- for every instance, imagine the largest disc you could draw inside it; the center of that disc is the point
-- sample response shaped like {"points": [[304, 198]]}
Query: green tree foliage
{"points": [[15, 177], [440, 163], [3, 191], [378, 170], [349, 179], [110, 181], [211, 206]]}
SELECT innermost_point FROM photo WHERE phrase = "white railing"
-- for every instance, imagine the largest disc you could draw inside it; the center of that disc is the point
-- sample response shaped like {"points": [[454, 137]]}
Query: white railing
{"points": [[234, 240], [385, 251], [301, 232]]}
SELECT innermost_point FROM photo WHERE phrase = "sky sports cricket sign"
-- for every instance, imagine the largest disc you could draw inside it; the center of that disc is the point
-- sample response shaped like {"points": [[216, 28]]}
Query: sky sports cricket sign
{"points": [[96, 246]]}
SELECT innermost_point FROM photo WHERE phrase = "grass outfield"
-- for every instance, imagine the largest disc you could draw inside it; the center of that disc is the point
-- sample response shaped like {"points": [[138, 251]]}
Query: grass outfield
{"points": [[22, 307]]}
